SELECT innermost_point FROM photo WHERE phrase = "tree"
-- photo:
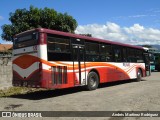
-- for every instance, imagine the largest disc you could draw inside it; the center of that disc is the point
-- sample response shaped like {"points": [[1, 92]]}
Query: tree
{"points": [[23, 19], [88, 35]]}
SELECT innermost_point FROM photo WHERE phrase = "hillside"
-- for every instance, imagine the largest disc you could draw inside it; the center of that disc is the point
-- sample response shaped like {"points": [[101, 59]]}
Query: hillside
{"points": [[156, 46]]}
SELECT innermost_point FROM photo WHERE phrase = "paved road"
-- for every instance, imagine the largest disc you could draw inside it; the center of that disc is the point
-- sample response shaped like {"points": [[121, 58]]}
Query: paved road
{"points": [[154, 76], [119, 96]]}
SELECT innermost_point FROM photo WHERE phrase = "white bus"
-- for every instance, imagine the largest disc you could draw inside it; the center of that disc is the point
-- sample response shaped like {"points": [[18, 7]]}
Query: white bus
{"points": [[53, 59]]}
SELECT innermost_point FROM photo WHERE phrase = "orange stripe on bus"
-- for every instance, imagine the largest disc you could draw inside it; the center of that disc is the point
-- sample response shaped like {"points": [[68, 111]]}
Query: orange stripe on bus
{"points": [[26, 61]]}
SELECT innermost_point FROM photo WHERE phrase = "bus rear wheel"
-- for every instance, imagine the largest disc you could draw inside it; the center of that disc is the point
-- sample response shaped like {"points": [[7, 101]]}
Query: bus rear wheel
{"points": [[92, 81], [139, 75]]}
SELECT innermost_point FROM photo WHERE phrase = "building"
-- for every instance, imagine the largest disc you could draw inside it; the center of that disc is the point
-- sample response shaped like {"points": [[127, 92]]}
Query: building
{"points": [[5, 49]]}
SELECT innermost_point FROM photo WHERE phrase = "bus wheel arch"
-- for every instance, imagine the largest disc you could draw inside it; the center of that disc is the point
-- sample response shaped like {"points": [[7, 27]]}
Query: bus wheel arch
{"points": [[93, 80]]}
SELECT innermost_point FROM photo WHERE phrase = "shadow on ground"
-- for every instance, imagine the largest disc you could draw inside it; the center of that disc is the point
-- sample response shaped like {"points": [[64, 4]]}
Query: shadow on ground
{"points": [[38, 95]]}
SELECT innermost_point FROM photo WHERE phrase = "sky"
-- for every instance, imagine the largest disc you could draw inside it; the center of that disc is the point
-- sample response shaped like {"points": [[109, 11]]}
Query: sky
{"points": [[127, 21]]}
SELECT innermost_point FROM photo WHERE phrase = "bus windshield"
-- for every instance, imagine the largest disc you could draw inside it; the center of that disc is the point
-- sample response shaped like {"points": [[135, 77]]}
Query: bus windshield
{"points": [[26, 40]]}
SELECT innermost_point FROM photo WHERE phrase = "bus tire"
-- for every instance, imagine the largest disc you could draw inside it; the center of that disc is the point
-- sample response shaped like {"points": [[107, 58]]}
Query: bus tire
{"points": [[92, 81], [139, 75]]}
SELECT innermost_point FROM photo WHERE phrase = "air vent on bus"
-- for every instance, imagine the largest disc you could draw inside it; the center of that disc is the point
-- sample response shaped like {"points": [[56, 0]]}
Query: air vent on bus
{"points": [[59, 74]]}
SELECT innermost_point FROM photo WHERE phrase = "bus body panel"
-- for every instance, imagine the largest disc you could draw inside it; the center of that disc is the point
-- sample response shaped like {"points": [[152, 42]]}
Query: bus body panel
{"points": [[31, 67], [26, 67], [108, 72]]}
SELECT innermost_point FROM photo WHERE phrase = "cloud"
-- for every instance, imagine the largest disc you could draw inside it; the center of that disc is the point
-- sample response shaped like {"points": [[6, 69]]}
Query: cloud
{"points": [[154, 10], [1, 18], [135, 34], [109, 31], [144, 35], [137, 16]]}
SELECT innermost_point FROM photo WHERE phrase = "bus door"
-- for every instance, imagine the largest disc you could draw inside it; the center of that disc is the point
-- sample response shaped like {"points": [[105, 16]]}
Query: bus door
{"points": [[79, 70]]}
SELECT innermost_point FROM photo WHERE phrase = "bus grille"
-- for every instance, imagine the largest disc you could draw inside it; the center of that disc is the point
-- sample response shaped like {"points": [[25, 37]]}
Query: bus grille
{"points": [[59, 75]]}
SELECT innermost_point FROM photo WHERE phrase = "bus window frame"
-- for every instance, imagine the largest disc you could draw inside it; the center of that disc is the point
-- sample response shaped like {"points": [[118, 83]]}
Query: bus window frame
{"points": [[34, 40], [59, 55], [92, 56]]}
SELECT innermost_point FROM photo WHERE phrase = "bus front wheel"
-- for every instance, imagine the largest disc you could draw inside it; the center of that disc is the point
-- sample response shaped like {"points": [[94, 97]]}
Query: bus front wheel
{"points": [[139, 75], [92, 81]]}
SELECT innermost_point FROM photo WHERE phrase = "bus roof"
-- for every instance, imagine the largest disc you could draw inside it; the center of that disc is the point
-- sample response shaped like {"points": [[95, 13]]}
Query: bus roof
{"points": [[78, 36]]}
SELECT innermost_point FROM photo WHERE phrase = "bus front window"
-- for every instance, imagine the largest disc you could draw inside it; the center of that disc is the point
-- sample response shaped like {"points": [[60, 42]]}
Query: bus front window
{"points": [[22, 41]]}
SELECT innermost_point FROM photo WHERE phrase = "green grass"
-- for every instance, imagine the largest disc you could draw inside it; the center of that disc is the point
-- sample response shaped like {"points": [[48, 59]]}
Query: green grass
{"points": [[17, 91]]}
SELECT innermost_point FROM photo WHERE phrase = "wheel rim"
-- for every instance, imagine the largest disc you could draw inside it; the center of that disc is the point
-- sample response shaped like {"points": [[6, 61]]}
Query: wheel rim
{"points": [[93, 81], [139, 75]]}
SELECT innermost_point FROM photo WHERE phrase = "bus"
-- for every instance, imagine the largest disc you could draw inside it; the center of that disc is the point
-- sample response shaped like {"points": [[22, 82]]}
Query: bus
{"points": [[154, 56], [44, 58], [152, 61], [156, 60]]}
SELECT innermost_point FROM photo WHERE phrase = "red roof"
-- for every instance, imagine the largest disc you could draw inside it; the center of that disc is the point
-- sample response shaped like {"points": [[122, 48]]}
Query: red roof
{"points": [[4, 47]]}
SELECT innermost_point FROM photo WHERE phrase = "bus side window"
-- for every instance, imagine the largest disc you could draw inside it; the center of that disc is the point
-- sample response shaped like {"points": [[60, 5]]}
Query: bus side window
{"points": [[131, 55], [124, 55], [106, 53], [139, 56], [118, 54], [92, 51], [58, 48]]}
